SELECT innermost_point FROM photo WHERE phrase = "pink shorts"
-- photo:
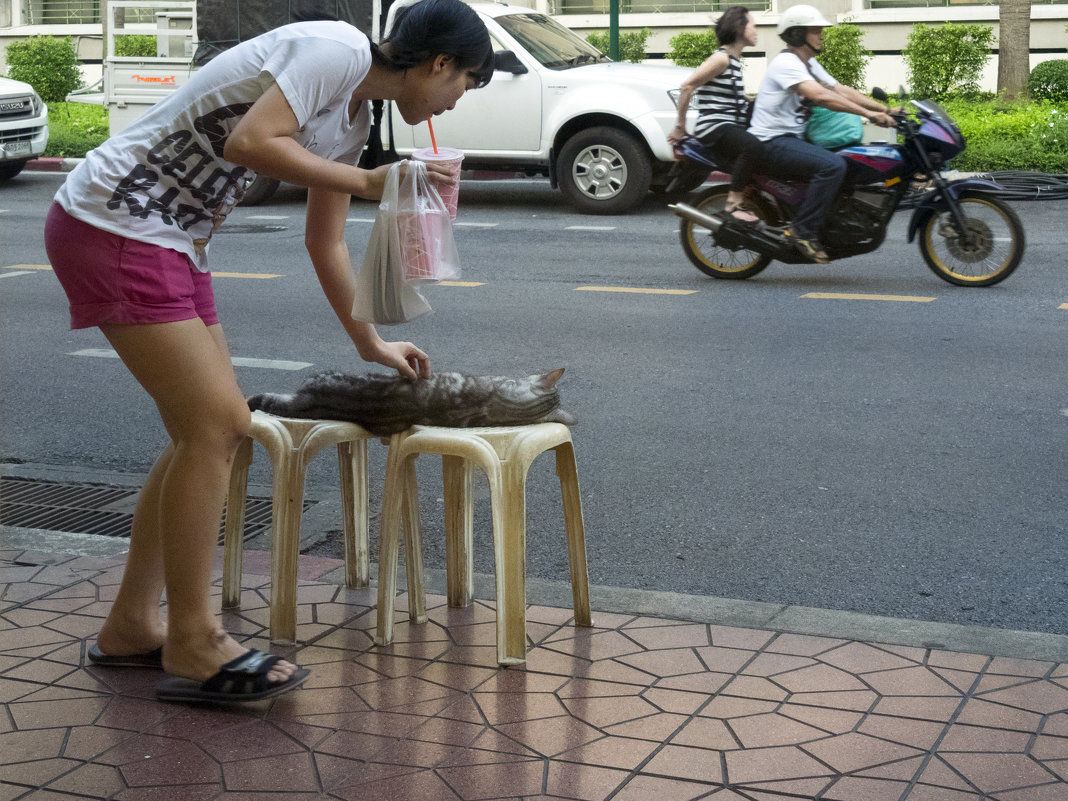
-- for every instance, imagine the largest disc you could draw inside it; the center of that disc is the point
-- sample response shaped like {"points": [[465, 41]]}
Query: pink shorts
{"points": [[111, 279]]}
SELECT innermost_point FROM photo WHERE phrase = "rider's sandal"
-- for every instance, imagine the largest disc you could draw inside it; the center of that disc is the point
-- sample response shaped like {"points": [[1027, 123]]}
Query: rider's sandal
{"points": [[809, 248], [739, 213]]}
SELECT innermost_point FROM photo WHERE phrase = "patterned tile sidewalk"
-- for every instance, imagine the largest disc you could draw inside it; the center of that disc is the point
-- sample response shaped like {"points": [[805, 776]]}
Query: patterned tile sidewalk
{"points": [[635, 709]]}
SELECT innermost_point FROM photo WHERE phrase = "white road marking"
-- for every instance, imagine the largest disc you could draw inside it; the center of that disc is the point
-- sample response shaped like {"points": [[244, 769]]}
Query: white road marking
{"points": [[860, 296], [238, 361], [267, 217], [636, 290], [16, 272], [589, 228]]}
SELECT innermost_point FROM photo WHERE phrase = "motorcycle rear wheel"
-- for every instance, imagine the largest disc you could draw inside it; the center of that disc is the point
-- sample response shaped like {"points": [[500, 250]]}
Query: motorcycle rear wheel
{"points": [[994, 249], [708, 257]]}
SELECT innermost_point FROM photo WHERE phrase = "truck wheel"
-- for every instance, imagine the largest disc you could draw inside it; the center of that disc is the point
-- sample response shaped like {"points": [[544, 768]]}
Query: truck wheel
{"points": [[10, 170], [259, 190], [604, 171]]}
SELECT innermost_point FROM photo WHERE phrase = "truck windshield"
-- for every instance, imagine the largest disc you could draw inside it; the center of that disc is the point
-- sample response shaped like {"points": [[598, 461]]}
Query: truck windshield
{"points": [[555, 46]]}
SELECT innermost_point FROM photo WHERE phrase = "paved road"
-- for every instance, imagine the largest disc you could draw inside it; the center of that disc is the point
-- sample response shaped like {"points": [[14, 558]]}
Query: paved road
{"points": [[748, 440]]}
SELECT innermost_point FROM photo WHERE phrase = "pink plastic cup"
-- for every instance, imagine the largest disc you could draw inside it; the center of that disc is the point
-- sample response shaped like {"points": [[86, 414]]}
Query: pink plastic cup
{"points": [[421, 240], [452, 158]]}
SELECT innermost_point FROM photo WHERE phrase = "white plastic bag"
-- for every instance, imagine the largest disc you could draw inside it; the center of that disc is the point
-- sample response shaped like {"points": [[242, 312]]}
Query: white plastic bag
{"points": [[411, 243]]}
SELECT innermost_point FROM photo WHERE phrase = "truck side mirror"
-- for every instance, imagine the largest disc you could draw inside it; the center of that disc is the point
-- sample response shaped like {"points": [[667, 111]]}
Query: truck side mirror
{"points": [[507, 61]]}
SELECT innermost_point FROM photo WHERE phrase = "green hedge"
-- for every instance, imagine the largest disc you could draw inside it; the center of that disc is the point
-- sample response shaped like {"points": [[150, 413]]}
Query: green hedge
{"points": [[1001, 136], [691, 49], [75, 128], [631, 44], [47, 63], [1049, 80], [1011, 136]]}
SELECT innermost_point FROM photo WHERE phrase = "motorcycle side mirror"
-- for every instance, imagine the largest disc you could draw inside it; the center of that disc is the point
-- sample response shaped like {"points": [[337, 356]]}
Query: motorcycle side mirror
{"points": [[878, 93], [507, 61]]}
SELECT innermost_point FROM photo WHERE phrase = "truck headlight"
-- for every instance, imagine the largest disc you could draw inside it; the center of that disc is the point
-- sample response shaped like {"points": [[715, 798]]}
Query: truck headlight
{"points": [[674, 94], [36, 104]]}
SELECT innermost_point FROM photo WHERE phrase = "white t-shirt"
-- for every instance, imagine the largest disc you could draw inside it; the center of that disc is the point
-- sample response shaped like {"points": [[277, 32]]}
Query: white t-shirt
{"points": [[164, 180], [778, 108]]}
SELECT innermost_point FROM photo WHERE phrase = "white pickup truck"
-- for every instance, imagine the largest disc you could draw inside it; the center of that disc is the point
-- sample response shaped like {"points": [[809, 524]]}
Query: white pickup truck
{"points": [[23, 127], [556, 106]]}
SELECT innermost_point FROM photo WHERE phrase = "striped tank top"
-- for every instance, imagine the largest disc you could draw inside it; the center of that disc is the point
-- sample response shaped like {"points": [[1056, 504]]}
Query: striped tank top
{"points": [[722, 100]]}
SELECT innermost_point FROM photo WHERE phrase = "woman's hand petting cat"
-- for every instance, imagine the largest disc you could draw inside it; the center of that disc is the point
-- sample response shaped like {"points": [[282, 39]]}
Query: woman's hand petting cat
{"points": [[404, 357]]}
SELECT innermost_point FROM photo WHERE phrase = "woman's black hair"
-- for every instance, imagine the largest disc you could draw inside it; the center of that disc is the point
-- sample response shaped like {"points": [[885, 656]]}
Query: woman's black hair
{"points": [[731, 24], [429, 28]]}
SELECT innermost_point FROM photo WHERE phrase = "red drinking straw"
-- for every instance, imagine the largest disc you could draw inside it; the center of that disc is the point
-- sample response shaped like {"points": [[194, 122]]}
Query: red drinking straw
{"points": [[433, 141]]}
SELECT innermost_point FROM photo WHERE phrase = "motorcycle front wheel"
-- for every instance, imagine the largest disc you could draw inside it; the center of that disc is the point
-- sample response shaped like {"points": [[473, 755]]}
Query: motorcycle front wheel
{"points": [[708, 257], [988, 254]]}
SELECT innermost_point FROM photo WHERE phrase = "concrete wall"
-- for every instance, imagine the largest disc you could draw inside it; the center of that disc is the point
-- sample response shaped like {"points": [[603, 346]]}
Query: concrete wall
{"points": [[886, 32]]}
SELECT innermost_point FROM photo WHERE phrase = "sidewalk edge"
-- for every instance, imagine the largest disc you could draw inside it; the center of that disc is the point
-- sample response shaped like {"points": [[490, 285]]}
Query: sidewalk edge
{"points": [[830, 623]]}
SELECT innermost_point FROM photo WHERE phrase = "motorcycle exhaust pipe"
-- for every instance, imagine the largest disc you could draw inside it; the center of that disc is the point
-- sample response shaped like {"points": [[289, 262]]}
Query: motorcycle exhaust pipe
{"points": [[693, 215]]}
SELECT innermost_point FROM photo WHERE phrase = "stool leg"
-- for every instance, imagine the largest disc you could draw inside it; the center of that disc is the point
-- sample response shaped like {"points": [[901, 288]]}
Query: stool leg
{"points": [[567, 471], [352, 462], [389, 541], [285, 547], [510, 546], [413, 561], [459, 523], [233, 536]]}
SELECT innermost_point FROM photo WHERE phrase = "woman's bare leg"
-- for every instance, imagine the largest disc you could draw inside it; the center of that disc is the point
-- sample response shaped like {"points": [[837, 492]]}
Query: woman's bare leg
{"points": [[186, 368], [134, 625]]}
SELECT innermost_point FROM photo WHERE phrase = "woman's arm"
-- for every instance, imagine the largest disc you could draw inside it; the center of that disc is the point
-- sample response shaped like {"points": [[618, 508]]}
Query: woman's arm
{"points": [[263, 142], [324, 236], [712, 67]]}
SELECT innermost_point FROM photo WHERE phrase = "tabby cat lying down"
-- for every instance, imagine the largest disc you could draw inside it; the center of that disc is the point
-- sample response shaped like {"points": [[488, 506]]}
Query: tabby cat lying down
{"points": [[388, 404]]}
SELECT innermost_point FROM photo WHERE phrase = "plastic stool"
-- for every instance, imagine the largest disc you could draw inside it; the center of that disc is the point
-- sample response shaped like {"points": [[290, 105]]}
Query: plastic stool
{"points": [[291, 444], [505, 454]]}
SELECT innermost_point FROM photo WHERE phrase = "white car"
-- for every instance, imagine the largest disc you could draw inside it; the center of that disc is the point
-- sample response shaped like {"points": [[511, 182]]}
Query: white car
{"points": [[23, 126], [558, 106]]}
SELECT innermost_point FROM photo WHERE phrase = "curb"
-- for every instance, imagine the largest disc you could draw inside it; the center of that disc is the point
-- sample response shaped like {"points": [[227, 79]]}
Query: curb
{"points": [[53, 164], [784, 618]]}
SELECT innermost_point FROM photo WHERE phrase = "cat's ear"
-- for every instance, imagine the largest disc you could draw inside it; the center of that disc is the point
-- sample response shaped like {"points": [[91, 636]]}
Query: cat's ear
{"points": [[560, 416], [548, 381]]}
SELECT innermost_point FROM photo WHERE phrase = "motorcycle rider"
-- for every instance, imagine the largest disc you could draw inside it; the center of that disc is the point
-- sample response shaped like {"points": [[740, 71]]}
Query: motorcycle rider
{"points": [[793, 82], [723, 106]]}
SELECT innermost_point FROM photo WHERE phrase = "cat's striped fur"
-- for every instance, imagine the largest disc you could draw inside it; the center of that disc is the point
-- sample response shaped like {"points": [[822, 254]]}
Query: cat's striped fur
{"points": [[388, 404]]}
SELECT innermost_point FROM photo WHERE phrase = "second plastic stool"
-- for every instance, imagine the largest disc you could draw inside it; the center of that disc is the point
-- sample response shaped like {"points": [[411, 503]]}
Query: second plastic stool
{"points": [[505, 455]]}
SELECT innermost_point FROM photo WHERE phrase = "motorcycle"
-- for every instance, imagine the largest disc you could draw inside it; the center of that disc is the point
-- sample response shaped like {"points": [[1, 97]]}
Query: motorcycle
{"points": [[967, 235]]}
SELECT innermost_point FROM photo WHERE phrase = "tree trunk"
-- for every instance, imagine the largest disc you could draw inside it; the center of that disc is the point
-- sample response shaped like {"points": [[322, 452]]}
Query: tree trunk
{"points": [[1014, 47]]}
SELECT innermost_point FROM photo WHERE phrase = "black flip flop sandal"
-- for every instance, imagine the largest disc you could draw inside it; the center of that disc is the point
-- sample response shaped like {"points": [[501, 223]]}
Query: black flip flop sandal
{"points": [[150, 659], [240, 680]]}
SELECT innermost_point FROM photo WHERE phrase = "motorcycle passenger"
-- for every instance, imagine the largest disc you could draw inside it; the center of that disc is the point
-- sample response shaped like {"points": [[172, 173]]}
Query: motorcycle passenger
{"points": [[794, 82], [723, 106]]}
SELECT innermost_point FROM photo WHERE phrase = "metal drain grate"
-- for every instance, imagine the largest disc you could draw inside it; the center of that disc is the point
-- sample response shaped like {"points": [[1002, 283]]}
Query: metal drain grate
{"points": [[94, 508]]}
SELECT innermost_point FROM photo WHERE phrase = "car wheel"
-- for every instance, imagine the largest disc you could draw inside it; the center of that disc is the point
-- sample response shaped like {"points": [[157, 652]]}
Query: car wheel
{"points": [[10, 169], [604, 171], [259, 190]]}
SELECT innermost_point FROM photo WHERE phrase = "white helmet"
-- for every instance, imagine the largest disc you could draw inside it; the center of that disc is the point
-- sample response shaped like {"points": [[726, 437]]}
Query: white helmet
{"points": [[802, 17]]}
